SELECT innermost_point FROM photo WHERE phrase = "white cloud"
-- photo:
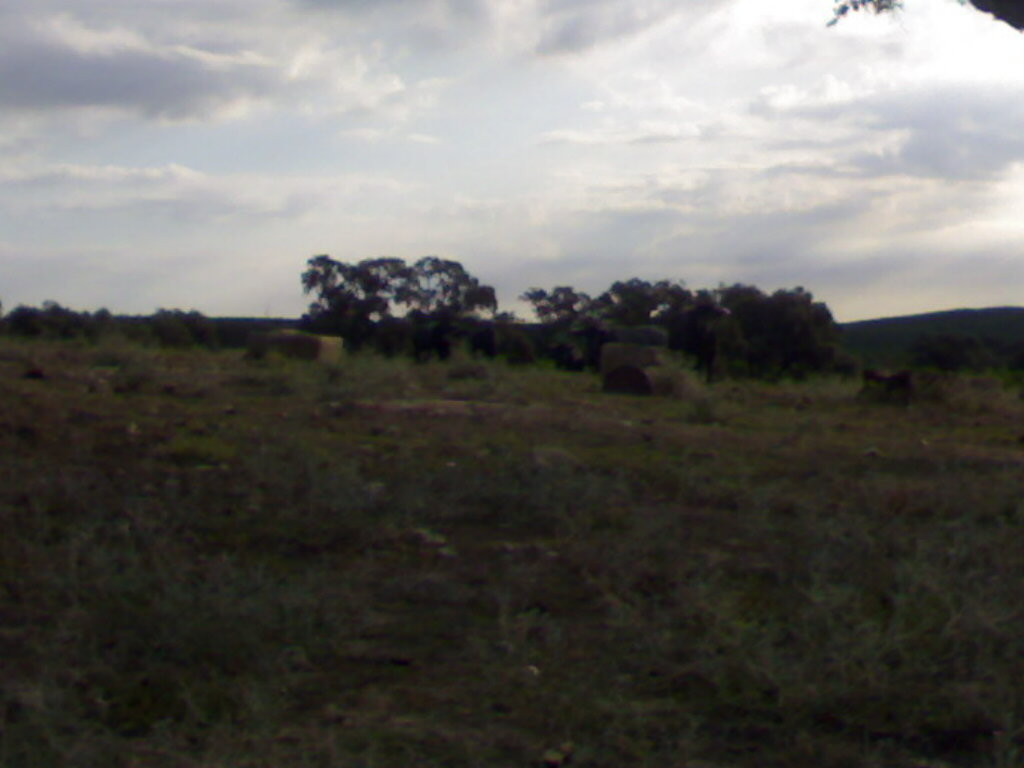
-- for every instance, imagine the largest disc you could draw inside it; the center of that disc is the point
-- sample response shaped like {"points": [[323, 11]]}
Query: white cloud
{"points": [[130, 59], [177, 193], [540, 142]]}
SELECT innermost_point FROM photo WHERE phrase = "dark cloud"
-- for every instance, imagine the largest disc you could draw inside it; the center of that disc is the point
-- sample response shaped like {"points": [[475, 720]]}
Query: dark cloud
{"points": [[570, 26], [41, 72]]}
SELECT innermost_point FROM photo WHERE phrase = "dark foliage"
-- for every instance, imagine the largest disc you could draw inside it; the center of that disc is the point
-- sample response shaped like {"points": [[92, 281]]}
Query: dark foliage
{"points": [[434, 335], [843, 7], [738, 329], [235, 332], [1008, 11], [700, 332], [483, 341], [890, 342], [392, 336], [515, 345], [787, 334], [949, 352], [639, 302], [166, 327], [56, 322], [174, 328], [351, 300], [562, 306]]}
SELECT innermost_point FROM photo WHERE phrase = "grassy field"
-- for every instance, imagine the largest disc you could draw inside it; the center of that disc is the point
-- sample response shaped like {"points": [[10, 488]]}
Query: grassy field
{"points": [[212, 562]]}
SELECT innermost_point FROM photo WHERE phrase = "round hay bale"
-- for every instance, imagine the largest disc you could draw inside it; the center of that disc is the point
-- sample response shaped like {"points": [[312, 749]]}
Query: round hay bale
{"points": [[617, 355], [634, 380]]}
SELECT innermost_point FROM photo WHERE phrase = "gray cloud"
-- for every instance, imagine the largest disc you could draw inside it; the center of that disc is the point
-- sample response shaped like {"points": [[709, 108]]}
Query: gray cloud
{"points": [[466, 9], [545, 142], [147, 61], [570, 26], [549, 27], [422, 25], [951, 131], [179, 194], [57, 62], [44, 76]]}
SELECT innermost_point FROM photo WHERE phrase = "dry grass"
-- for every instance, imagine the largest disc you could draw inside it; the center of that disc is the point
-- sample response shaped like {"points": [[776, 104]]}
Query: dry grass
{"points": [[212, 562]]}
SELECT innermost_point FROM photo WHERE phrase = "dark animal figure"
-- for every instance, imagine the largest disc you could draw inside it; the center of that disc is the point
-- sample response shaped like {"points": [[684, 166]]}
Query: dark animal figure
{"points": [[484, 341], [433, 336], [696, 334], [568, 357], [502, 339], [515, 345], [393, 336], [895, 387]]}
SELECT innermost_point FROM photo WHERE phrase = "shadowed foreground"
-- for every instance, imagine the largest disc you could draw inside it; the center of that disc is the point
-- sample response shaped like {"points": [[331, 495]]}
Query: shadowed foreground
{"points": [[212, 562]]}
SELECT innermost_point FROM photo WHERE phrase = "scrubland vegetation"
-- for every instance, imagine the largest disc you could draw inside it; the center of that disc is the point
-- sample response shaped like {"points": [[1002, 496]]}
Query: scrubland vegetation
{"points": [[207, 561]]}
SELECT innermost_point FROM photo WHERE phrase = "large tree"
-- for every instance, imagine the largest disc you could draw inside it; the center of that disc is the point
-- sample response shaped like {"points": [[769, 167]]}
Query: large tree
{"points": [[1009, 11], [784, 334], [639, 302], [351, 298], [441, 286], [561, 306]]}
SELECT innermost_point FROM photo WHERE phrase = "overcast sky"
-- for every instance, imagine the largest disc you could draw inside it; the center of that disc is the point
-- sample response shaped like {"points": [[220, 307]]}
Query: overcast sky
{"points": [[194, 154]]}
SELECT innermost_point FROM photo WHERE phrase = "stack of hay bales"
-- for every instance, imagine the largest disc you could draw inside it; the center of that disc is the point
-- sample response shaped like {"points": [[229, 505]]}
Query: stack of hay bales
{"points": [[296, 345], [633, 369]]}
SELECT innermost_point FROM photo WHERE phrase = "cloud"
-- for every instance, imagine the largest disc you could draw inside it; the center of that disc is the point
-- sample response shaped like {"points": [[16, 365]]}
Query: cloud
{"points": [[537, 141], [541, 27], [962, 131], [421, 26], [577, 26], [175, 193], [131, 60], [59, 62], [375, 135], [646, 132], [952, 132]]}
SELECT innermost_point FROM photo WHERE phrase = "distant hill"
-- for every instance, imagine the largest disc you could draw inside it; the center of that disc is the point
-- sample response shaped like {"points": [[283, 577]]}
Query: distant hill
{"points": [[886, 342]]}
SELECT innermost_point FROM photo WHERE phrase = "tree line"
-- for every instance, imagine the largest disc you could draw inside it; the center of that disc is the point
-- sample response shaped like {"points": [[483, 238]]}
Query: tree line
{"points": [[167, 328], [427, 308], [432, 307]]}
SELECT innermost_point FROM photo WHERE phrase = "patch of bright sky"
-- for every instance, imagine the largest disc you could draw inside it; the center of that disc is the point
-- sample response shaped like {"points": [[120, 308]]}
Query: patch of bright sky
{"points": [[540, 142]]}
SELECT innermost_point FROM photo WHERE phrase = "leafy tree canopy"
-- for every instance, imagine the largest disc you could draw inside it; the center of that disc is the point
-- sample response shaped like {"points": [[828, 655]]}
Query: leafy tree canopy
{"points": [[639, 302], [441, 285], [350, 299], [1009, 11], [562, 305]]}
